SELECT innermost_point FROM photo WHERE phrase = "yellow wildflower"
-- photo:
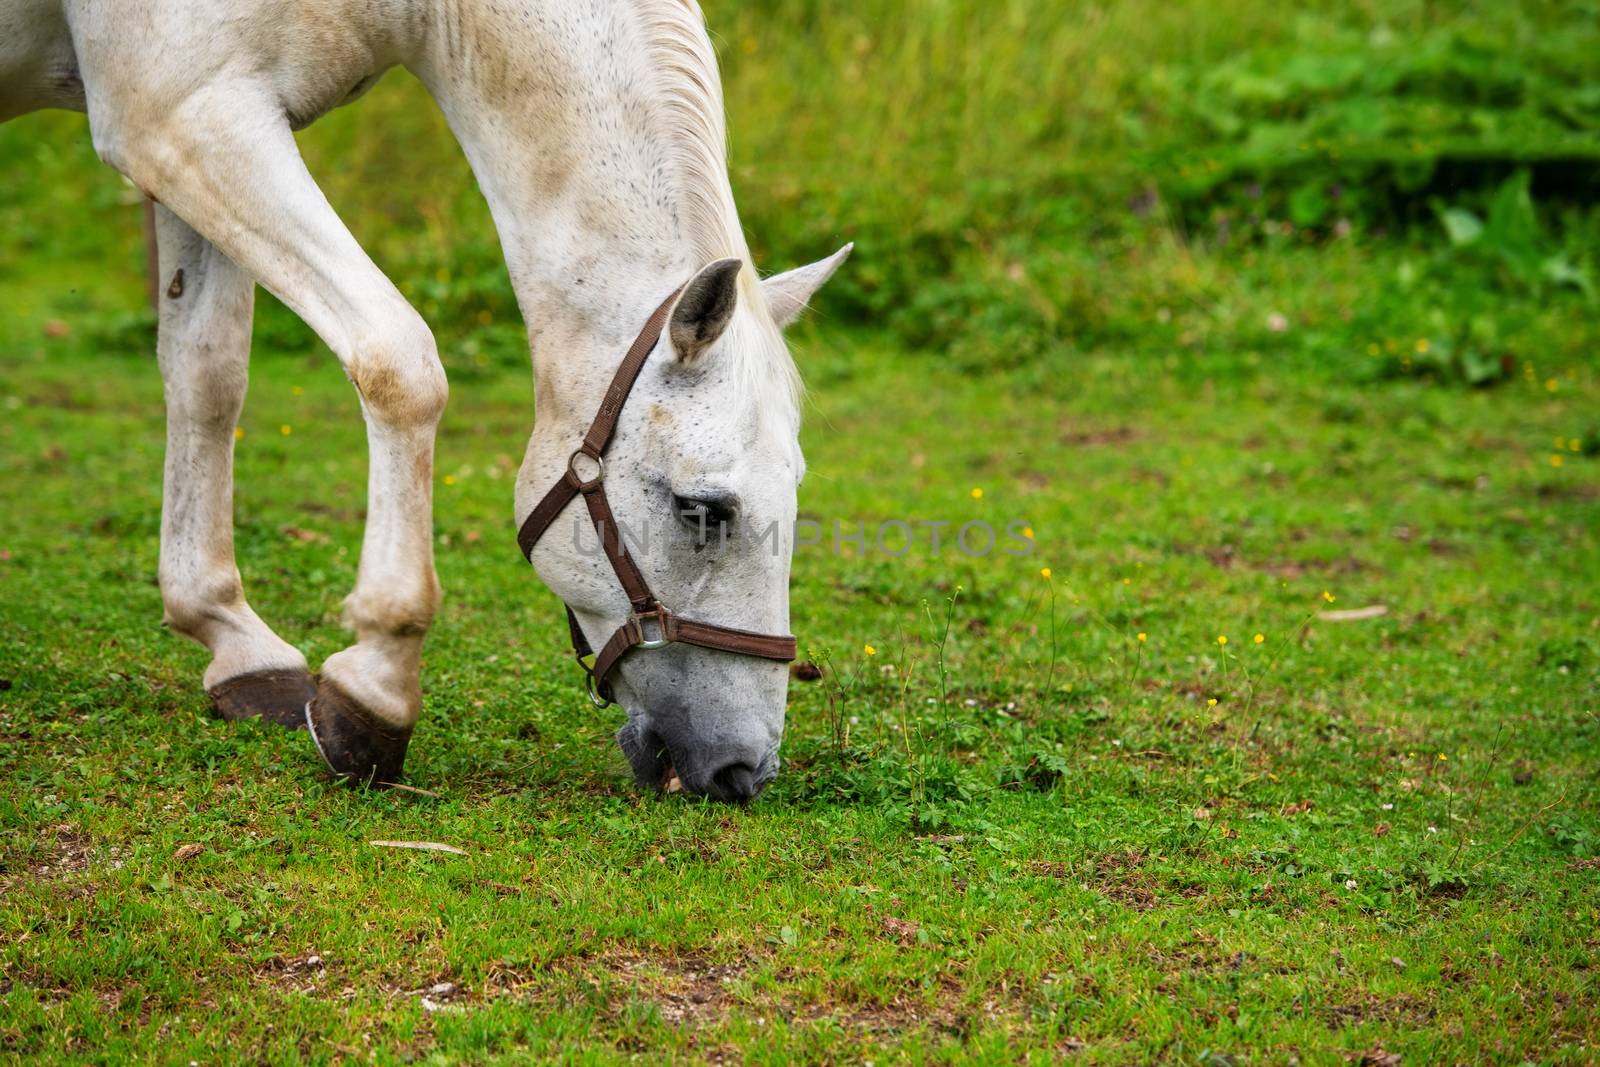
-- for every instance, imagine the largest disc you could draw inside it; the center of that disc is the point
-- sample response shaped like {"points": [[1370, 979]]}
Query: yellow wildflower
{"points": [[1422, 345], [1222, 639], [1329, 597], [1260, 638], [869, 650], [1556, 460], [1144, 637], [1044, 572], [286, 429], [977, 493], [1211, 702], [238, 433]]}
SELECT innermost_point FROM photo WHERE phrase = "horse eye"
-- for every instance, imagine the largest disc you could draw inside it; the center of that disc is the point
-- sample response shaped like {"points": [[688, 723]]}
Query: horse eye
{"points": [[703, 515]]}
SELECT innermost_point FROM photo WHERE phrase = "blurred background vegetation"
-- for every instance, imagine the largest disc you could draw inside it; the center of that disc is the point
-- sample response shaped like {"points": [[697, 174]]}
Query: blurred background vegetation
{"points": [[1374, 188]]}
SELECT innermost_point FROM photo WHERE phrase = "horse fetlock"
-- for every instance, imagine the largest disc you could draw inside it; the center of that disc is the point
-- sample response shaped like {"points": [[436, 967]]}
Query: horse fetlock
{"points": [[194, 605], [398, 609]]}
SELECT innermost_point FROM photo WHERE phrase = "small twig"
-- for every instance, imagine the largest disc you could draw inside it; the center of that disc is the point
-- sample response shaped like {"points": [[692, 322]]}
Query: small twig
{"points": [[912, 762], [1376, 611], [421, 846], [1477, 800], [1521, 830], [412, 789]]}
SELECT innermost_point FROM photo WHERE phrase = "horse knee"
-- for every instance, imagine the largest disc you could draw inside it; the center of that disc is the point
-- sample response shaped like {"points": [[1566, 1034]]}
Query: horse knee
{"points": [[396, 370]]}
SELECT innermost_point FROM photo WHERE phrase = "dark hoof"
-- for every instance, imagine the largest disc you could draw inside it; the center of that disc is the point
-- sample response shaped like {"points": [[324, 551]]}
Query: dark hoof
{"points": [[353, 743], [278, 696]]}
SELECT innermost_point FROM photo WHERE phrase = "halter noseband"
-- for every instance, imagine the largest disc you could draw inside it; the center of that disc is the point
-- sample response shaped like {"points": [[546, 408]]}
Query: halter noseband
{"points": [[645, 608]]}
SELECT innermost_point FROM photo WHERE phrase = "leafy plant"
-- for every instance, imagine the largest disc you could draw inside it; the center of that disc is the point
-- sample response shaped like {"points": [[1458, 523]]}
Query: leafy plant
{"points": [[1510, 242]]}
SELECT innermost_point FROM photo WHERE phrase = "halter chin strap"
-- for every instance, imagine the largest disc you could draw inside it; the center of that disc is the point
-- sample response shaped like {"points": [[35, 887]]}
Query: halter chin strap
{"points": [[646, 611]]}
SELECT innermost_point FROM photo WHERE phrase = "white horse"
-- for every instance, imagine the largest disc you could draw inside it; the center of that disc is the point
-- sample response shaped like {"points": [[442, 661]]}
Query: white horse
{"points": [[595, 130]]}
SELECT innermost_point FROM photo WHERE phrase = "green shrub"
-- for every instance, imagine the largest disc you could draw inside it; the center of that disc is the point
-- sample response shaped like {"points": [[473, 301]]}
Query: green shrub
{"points": [[1362, 124], [1027, 179]]}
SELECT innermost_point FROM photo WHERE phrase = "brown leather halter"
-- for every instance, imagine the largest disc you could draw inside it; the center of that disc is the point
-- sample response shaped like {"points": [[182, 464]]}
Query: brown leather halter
{"points": [[645, 607]]}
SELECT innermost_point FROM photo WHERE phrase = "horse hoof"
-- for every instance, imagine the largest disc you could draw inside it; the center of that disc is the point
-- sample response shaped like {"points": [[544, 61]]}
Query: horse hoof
{"points": [[278, 696], [353, 743]]}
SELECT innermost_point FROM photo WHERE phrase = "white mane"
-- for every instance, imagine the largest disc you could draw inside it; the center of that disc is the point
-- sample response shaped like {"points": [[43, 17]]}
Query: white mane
{"points": [[691, 112]]}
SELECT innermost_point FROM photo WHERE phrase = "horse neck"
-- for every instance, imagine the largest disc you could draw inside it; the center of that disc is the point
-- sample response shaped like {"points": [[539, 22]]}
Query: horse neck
{"points": [[600, 159]]}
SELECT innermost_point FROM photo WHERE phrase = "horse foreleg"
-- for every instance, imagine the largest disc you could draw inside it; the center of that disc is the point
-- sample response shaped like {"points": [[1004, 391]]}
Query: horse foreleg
{"points": [[205, 307], [222, 158]]}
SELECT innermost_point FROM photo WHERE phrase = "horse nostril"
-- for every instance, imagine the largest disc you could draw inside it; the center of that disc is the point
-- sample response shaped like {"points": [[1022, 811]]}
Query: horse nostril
{"points": [[736, 782]]}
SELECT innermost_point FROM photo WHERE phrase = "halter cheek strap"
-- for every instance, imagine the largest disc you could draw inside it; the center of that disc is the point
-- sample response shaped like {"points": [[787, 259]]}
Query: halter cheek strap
{"points": [[649, 625]]}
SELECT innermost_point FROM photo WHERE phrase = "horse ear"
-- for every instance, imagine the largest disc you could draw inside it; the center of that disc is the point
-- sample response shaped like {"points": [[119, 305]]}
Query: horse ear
{"points": [[789, 293], [705, 308]]}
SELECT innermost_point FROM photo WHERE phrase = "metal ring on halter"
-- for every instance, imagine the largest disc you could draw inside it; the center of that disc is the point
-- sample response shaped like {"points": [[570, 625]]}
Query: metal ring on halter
{"points": [[659, 613], [595, 697], [600, 473]]}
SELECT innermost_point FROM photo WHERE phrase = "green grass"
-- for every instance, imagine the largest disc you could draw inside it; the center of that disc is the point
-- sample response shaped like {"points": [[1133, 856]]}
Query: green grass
{"points": [[1014, 831], [1097, 856]]}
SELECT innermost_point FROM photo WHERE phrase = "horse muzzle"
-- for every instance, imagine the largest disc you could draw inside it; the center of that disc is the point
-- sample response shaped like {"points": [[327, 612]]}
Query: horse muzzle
{"points": [[733, 772]]}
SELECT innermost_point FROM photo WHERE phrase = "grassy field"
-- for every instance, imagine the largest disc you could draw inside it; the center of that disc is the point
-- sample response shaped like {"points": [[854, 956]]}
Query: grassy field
{"points": [[1139, 794]]}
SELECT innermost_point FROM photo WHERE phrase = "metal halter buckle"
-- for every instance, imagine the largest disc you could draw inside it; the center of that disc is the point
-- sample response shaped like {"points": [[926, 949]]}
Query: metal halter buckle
{"points": [[659, 614]]}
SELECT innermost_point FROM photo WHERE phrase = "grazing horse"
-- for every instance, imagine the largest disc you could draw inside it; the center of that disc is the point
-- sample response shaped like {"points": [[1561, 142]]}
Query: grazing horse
{"points": [[595, 130]]}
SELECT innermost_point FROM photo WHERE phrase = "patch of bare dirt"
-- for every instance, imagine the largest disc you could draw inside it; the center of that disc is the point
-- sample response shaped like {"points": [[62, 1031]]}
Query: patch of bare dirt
{"points": [[947, 1009], [1118, 876], [1204, 954], [1083, 438], [71, 853], [901, 930], [1404, 1008], [695, 991], [1565, 491], [68, 852], [689, 990], [895, 1015], [307, 974], [1227, 557]]}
